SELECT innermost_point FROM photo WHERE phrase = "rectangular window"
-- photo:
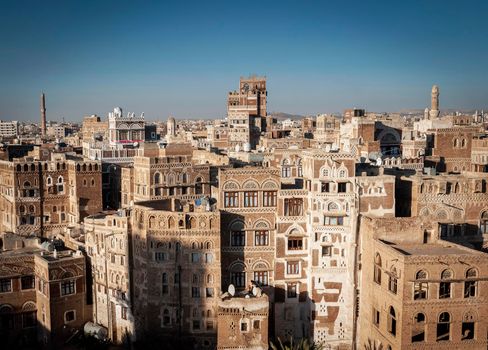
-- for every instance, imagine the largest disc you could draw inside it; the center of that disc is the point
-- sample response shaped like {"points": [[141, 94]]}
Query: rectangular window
{"points": [[195, 292], [325, 187], [29, 319], [196, 325], [293, 267], [238, 279], [269, 198], [256, 324], [326, 250], [238, 238], [420, 290], [243, 326], [291, 290], [208, 258], [124, 313], [293, 207], [195, 257], [444, 290], [393, 284], [159, 256], [261, 277], [295, 243], [469, 289], [68, 287], [164, 280], [27, 282], [231, 199], [261, 238], [5, 285], [334, 220], [342, 187], [250, 199], [285, 171], [376, 317], [209, 292], [69, 316], [467, 331], [210, 325]]}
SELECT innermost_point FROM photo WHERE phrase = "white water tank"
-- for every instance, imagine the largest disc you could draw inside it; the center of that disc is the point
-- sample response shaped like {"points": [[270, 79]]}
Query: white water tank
{"points": [[95, 330]]}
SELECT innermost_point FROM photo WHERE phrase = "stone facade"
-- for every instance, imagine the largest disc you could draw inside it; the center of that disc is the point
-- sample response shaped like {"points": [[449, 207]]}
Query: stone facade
{"points": [[42, 292], [419, 292], [176, 270], [243, 322], [108, 247], [44, 197], [246, 112]]}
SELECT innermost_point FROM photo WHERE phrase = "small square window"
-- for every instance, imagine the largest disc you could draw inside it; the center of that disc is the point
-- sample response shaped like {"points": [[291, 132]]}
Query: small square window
{"points": [[256, 324], [27, 282], [5, 285], [69, 316], [243, 326]]}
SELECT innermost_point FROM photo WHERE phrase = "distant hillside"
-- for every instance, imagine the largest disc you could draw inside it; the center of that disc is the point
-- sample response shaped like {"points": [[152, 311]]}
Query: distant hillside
{"points": [[443, 111], [283, 116]]}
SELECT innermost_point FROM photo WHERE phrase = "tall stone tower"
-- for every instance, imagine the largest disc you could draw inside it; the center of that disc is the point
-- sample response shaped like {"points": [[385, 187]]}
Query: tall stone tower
{"points": [[434, 110], [43, 115], [171, 127]]}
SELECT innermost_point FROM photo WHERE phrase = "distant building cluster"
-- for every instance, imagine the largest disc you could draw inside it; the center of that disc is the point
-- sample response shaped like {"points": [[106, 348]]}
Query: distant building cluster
{"points": [[358, 231]]}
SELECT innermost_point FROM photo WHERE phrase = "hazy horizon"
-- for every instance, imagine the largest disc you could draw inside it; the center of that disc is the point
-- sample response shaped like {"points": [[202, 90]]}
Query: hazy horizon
{"points": [[182, 59]]}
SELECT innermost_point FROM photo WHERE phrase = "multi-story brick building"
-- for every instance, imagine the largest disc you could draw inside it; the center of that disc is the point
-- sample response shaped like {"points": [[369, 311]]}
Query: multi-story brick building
{"points": [[93, 128], [44, 197], [458, 202], [164, 173], [311, 227], [246, 112], [243, 321], [248, 198], [108, 247], [176, 270], [417, 291], [43, 292], [451, 148]]}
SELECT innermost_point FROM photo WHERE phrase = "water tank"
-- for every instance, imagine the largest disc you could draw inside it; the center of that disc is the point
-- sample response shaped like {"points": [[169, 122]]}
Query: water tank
{"points": [[95, 330]]}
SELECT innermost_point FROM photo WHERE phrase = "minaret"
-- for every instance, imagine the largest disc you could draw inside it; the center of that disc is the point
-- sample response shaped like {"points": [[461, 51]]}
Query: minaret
{"points": [[434, 110], [43, 115], [171, 127]]}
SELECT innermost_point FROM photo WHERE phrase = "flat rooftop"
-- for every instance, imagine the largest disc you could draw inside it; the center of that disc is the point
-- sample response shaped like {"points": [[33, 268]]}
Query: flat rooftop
{"points": [[432, 249]]}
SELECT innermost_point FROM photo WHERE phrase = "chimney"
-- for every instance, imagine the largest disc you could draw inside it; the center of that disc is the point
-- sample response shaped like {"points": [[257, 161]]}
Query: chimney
{"points": [[43, 115]]}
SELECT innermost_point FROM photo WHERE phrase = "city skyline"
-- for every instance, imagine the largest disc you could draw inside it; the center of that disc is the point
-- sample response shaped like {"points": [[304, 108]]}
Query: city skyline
{"points": [[166, 60]]}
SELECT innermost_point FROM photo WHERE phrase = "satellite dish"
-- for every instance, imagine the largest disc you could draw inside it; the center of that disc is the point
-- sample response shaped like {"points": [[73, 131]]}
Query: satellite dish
{"points": [[374, 155], [231, 290], [379, 162]]}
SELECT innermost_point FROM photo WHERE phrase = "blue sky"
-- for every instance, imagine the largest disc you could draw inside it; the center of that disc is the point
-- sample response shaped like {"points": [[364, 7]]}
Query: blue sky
{"points": [[181, 57]]}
